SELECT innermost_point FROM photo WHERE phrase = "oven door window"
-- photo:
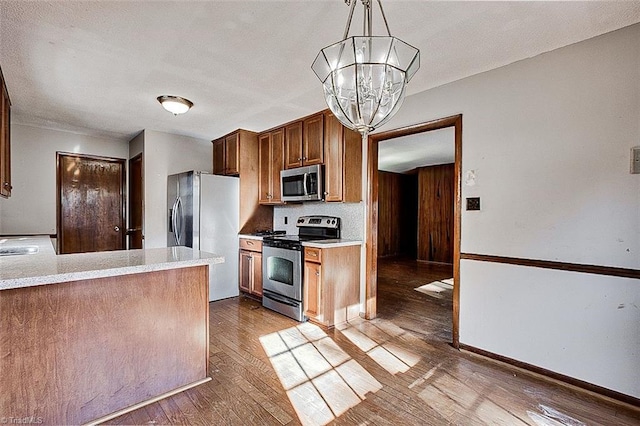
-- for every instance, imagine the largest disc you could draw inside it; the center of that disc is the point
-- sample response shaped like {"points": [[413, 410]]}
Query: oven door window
{"points": [[280, 270], [293, 186]]}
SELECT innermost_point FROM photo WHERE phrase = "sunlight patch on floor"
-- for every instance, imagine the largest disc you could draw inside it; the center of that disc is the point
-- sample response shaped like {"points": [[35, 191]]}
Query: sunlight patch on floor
{"points": [[456, 401], [552, 417], [436, 289], [322, 381], [374, 340]]}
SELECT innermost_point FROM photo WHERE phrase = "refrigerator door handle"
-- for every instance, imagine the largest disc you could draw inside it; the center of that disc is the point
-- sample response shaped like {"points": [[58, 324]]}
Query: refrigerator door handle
{"points": [[179, 213], [172, 210]]}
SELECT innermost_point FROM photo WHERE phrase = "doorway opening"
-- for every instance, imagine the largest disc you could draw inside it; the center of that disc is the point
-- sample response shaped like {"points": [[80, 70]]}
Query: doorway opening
{"points": [[441, 249], [415, 232]]}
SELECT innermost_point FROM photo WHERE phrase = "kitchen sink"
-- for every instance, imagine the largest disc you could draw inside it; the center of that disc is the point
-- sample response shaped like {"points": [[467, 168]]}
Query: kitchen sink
{"points": [[12, 251]]}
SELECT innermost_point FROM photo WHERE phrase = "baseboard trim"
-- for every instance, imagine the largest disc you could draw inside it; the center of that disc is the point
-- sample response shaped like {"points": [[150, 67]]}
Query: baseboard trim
{"points": [[563, 266], [586, 386], [147, 402]]}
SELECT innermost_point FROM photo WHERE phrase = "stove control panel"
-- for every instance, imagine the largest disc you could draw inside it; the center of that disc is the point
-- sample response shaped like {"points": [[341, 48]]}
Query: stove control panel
{"points": [[319, 222]]}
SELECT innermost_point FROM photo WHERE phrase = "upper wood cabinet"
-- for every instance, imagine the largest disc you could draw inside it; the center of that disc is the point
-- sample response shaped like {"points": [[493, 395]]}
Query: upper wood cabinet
{"points": [[343, 162], [5, 140], [226, 154], [293, 145], [271, 163], [304, 142]]}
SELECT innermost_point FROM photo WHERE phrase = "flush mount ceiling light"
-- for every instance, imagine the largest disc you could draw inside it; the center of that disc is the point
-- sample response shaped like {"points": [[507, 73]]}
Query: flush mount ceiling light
{"points": [[175, 104], [365, 77]]}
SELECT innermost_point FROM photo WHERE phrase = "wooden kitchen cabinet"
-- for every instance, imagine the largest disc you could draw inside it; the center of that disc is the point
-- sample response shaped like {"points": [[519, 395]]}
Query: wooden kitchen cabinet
{"points": [[271, 163], [250, 277], [227, 152], [331, 293], [312, 290], [304, 141], [5, 140], [343, 162]]}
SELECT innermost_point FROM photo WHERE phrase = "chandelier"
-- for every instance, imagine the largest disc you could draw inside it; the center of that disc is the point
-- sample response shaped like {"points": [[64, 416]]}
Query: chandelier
{"points": [[365, 77]]}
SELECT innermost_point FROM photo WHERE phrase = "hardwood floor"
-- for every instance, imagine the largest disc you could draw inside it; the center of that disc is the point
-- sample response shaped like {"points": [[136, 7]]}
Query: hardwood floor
{"points": [[269, 370], [400, 303]]}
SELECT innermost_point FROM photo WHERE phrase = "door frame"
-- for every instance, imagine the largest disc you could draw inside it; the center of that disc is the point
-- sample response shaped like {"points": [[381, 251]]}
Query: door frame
{"points": [[123, 190], [130, 229], [371, 268]]}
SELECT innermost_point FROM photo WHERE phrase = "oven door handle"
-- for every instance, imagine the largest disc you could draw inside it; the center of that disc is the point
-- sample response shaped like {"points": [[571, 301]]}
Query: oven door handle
{"points": [[280, 299], [304, 184]]}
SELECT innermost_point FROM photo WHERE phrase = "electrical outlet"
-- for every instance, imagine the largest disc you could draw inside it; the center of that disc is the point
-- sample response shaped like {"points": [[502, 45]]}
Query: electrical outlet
{"points": [[635, 160], [473, 203]]}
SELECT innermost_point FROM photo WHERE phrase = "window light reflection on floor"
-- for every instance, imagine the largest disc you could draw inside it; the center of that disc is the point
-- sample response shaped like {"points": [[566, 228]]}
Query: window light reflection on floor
{"points": [[321, 380], [374, 340]]}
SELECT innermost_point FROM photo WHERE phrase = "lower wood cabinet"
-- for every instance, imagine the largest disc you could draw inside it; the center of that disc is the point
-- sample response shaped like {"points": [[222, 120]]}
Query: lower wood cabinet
{"points": [[250, 277], [331, 284]]}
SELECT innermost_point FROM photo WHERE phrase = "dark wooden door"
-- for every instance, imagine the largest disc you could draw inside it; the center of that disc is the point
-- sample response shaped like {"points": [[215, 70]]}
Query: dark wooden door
{"points": [[135, 202], [5, 140], [91, 197], [436, 191]]}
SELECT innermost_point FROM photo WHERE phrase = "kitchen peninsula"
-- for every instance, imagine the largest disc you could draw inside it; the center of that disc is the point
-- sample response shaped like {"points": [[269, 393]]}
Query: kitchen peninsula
{"points": [[86, 335]]}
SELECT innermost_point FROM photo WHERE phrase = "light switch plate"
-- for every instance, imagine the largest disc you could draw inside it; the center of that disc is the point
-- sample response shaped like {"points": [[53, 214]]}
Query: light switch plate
{"points": [[635, 160], [473, 203]]}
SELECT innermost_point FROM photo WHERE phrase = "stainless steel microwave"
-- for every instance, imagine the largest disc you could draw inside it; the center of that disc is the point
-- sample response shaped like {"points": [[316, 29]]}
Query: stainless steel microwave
{"points": [[302, 184]]}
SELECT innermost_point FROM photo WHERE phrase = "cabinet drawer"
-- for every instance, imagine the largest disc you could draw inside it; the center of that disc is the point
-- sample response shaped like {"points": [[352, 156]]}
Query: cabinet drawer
{"points": [[313, 254], [251, 245]]}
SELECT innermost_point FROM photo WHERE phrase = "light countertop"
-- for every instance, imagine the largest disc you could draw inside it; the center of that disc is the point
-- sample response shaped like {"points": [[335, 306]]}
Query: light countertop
{"points": [[45, 267], [250, 237], [338, 242]]}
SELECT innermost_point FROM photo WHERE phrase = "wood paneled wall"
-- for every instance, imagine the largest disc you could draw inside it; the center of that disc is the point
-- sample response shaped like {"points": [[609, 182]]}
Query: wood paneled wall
{"points": [[435, 213], [398, 212]]}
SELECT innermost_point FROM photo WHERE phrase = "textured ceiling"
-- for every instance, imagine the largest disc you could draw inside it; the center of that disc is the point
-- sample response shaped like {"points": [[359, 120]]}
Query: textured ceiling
{"points": [[401, 155], [97, 67]]}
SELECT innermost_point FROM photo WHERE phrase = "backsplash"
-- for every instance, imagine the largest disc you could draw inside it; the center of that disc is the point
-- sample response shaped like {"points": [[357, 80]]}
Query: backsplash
{"points": [[350, 214]]}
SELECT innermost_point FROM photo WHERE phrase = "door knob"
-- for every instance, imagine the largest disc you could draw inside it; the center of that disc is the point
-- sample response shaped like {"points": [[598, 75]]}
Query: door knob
{"points": [[116, 228]]}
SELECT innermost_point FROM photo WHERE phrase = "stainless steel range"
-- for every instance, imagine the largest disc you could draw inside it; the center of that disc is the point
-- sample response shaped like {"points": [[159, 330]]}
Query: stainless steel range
{"points": [[282, 271]]}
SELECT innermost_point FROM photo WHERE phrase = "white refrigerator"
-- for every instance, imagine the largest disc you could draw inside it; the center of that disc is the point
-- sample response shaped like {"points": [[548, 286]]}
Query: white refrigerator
{"points": [[203, 214]]}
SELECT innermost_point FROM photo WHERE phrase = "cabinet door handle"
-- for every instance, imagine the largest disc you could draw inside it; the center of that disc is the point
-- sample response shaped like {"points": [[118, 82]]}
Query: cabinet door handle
{"points": [[318, 273], [249, 243]]}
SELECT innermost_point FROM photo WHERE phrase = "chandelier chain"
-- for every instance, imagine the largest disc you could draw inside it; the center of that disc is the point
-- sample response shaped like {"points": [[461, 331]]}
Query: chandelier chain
{"points": [[368, 21]]}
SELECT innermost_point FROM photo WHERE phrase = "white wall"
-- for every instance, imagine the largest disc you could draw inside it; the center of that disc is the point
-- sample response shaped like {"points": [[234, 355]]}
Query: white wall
{"points": [[166, 154], [549, 139], [32, 206]]}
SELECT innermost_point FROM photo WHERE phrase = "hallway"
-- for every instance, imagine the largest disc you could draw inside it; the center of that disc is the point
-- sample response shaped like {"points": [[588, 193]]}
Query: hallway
{"points": [[399, 302]]}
